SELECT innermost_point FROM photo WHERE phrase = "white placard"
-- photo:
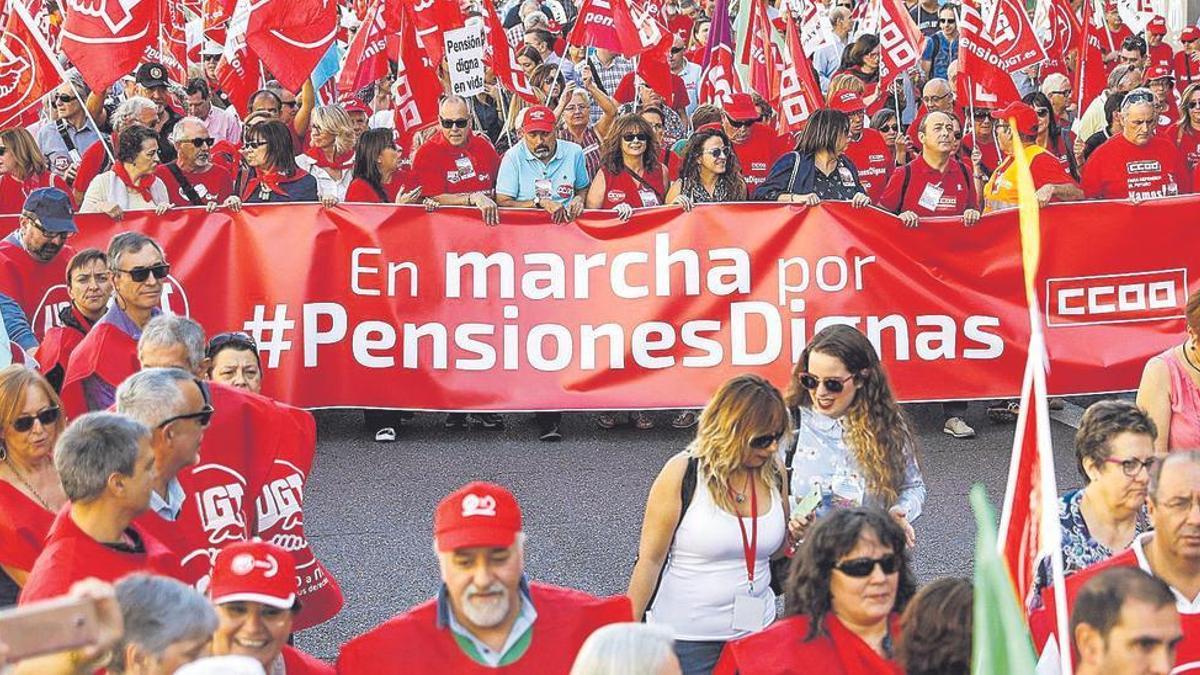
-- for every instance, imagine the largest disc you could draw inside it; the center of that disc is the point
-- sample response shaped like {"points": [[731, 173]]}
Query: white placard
{"points": [[464, 59]]}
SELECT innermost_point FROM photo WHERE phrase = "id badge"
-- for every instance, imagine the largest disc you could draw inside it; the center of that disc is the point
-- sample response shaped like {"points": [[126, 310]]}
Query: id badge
{"points": [[542, 188], [931, 196], [846, 176], [465, 168], [648, 197], [748, 612]]}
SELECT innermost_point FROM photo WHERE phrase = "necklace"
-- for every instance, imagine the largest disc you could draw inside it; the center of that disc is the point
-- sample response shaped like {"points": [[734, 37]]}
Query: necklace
{"points": [[740, 497], [13, 467], [1188, 357]]}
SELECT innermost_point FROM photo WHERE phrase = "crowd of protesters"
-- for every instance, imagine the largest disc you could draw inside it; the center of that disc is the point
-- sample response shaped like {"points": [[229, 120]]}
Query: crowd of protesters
{"points": [[808, 494]]}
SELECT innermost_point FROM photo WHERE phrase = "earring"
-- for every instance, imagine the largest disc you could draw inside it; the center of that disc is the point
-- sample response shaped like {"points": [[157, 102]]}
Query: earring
{"points": [[3, 453]]}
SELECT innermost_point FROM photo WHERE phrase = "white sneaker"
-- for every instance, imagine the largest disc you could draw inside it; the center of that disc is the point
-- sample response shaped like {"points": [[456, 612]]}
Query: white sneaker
{"points": [[957, 428], [385, 435]]}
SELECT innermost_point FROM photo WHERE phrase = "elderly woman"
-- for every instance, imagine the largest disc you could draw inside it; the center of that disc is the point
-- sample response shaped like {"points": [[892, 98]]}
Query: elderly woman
{"points": [[843, 597], [715, 517], [30, 491], [233, 360], [378, 175], [935, 630], [1114, 451], [853, 445], [709, 171], [23, 169], [89, 285], [1170, 388], [330, 155], [819, 168], [575, 124], [623, 648], [167, 625], [131, 184], [274, 176]]}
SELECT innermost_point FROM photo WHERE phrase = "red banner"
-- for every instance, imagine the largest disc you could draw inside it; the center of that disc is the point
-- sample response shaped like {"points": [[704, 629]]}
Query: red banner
{"points": [[391, 306]]}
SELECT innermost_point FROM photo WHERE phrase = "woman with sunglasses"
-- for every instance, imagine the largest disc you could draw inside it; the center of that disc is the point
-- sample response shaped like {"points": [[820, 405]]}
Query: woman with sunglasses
{"points": [[131, 184], [631, 176], [818, 169], [715, 517], [30, 490], [330, 153], [1187, 133], [1056, 140], [233, 360], [1114, 453], [709, 172], [273, 175], [23, 169], [852, 445], [379, 177], [888, 124], [843, 597]]}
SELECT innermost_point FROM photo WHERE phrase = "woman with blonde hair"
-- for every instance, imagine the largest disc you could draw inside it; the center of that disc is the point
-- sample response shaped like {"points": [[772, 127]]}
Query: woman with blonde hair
{"points": [[627, 649], [1188, 133], [23, 169], [330, 155], [853, 446], [31, 420], [715, 517]]}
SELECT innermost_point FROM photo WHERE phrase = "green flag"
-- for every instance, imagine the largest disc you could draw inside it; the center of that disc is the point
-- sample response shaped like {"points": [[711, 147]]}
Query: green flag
{"points": [[1001, 644]]}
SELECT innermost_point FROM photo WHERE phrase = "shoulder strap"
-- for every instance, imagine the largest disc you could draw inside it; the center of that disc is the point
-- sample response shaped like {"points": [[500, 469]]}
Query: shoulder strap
{"points": [[61, 126], [792, 179], [687, 490], [646, 184], [904, 186], [966, 174], [185, 185]]}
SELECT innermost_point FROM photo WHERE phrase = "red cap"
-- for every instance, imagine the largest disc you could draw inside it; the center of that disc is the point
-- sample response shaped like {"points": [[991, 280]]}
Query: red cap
{"points": [[477, 515], [538, 118], [1022, 113], [1157, 26], [741, 107], [354, 105], [1110, 6], [848, 102], [254, 571], [1190, 33], [1159, 73]]}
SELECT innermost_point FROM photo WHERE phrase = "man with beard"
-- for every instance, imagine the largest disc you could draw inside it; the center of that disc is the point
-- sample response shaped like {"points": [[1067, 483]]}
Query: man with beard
{"points": [[32, 260], [89, 283], [487, 616], [192, 179]]}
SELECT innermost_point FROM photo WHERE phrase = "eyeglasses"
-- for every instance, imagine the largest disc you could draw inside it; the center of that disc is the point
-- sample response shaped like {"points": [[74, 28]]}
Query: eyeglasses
{"points": [[254, 145], [1130, 466], [981, 115], [141, 274], [863, 567], [200, 142], [833, 385], [64, 98], [717, 153], [947, 22], [740, 124], [889, 128], [764, 442], [635, 138], [47, 417], [48, 234], [1042, 112], [931, 99], [1064, 92], [455, 123], [231, 338]]}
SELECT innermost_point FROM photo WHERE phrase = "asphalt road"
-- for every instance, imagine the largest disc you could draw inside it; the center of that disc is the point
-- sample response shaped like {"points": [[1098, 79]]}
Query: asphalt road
{"points": [[368, 506]]}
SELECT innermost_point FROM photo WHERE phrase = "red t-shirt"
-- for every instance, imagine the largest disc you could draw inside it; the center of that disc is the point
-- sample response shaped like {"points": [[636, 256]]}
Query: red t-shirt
{"points": [[447, 169], [1189, 146], [990, 151], [37, 286], [930, 192], [1187, 69], [623, 188], [757, 154], [1160, 55], [679, 93], [1118, 169], [214, 185], [873, 160], [360, 190], [13, 193]]}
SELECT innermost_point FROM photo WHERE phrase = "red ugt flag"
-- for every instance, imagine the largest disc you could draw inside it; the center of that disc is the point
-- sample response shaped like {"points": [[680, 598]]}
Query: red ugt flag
{"points": [[609, 24], [982, 80], [27, 69], [106, 39], [291, 37], [1062, 38]]}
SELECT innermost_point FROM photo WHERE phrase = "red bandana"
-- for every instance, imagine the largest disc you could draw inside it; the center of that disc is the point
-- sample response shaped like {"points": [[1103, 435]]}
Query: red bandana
{"points": [[267, 181], [343, 161], [142, 186]]}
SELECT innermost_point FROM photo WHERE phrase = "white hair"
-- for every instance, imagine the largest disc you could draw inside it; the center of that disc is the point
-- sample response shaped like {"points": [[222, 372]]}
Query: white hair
{"points": [[127, 113], [1055, 82], [625, 649], [153, 395], [181, 126]]}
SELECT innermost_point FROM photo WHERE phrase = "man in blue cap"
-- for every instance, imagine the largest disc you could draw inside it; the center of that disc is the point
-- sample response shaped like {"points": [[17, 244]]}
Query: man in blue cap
{"points": [[33, 260]]}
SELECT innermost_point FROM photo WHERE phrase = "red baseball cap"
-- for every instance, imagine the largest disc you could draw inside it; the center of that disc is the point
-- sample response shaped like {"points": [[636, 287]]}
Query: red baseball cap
{"points": [[1157, 26], [354, 105], [254, 571], [741, 108], [1190, 33], [477, 514], [538, 118], [1020, 112], [1158, 73], [848, 102]]}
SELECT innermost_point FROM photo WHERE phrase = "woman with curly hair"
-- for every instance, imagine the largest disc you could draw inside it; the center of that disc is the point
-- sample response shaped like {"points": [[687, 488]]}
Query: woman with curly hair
{"points": [[630, 174], [935, 630], [843, 596], [715, 517], [853, 446], [709, 173]]}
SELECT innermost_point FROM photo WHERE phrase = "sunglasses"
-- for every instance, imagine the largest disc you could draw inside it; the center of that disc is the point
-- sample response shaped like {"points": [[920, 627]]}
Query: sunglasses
{"points": [[740, 124], [717, 152], [863, 567], [140, 274], [947, 22], [1130, 466], [200, 142], [1065, 92], [888, 128], [1193, 105], [203, 416], [63, 98], [212, 58], [47, 417], [1041, 112], [254, 145], [1139, 97], [453, 123], [676, 50], [982, 114], [632, 138], [3, 151], [764, 442], [833, 385], [231, 338]]}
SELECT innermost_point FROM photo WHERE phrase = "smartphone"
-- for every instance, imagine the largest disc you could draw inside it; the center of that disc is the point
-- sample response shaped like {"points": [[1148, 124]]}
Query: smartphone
{"points": [[808, 504], [48, 627]]}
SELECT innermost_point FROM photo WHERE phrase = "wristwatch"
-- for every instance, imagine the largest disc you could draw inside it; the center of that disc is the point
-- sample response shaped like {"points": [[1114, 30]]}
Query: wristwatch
{"points": [[537, 202]]}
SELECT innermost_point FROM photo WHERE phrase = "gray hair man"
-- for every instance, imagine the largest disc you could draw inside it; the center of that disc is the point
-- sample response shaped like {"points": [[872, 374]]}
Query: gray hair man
{"points": [[192, 179], [107, 469], [1139, 163], [167, 625], [73, 132]]}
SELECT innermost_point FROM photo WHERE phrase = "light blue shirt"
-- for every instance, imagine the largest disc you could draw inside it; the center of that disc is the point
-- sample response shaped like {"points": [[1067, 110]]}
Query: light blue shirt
{"points": [[521, 173], [827, 60], [170, 507]]}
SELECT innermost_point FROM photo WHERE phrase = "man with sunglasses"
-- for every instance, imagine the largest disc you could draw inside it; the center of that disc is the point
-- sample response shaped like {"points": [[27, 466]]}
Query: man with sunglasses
{"points": [[1170, 551], [942, 47], [1138, 164], [458, 166], [686, 70], [756, 145], [73, 132], [33, 259], [192, 179], [109, 352]]}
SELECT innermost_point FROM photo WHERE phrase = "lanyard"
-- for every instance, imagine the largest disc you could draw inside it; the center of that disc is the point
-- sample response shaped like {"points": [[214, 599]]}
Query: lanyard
{"points": [[750, 546]]}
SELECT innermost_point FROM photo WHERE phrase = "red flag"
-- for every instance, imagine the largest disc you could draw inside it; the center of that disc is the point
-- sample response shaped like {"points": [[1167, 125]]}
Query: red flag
{"points": [[434, 17], [610, 25], [720, 79], [653, 65], [1090, 73], [799, 91], [291, 37], [171, 48], [239, 72], [982, 79], [502, 60], [417, 87], [760, 54], [106, 39], [1063, 37], [28, 70], [366, 58], [900, 43]]}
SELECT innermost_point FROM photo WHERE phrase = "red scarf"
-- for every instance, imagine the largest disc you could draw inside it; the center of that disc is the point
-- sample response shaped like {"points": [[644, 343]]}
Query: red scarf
{"points": [[269, 179], [143, 184], [342, 162]]}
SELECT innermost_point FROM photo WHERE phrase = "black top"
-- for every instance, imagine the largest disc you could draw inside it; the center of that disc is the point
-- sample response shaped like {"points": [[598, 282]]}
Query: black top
{"points": [[840, 185]]}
